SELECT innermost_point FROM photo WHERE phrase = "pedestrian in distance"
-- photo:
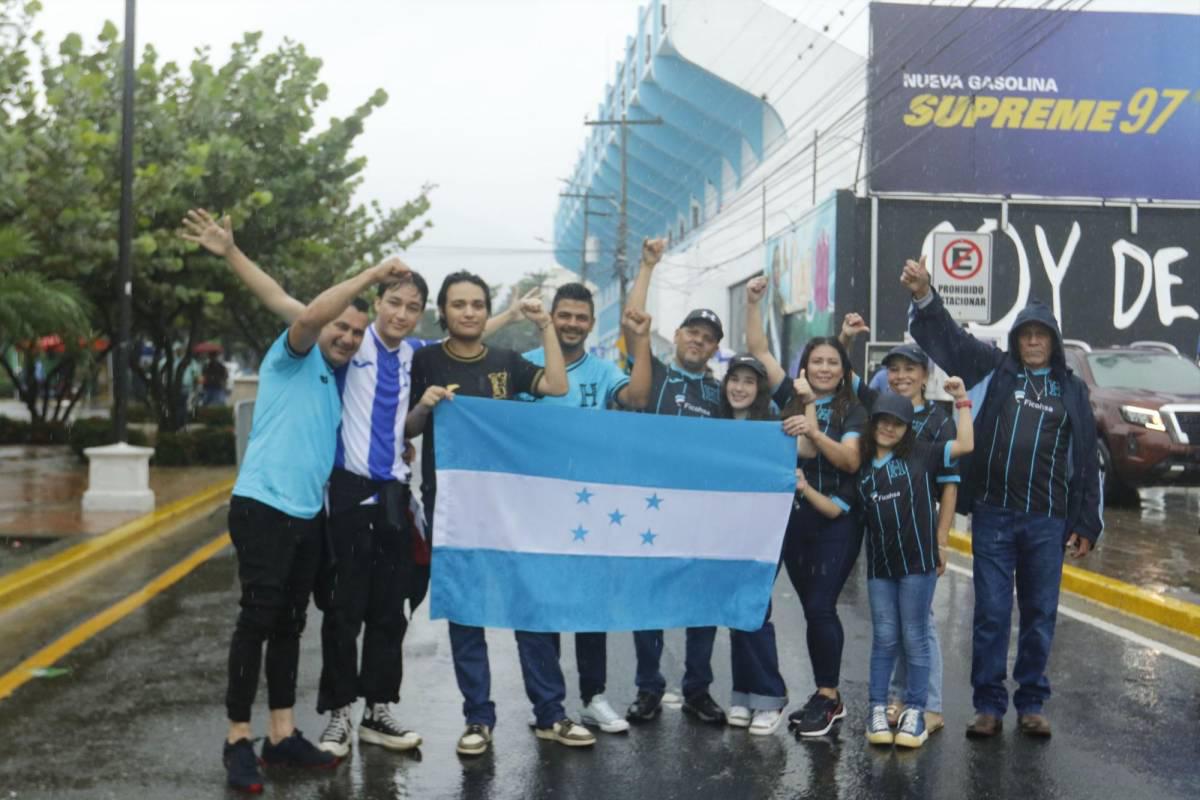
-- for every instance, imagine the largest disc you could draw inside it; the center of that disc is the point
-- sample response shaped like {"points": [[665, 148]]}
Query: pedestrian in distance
{"points": [[275, 517], [1034, 493], [463, 364], [895, 490]]}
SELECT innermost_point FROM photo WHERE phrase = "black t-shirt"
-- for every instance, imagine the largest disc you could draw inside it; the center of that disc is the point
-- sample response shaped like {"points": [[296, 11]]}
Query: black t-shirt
{"points": [[497, 373], [818, 471], [682, 394], [1027, 449], [898, 500], [931, 423]]}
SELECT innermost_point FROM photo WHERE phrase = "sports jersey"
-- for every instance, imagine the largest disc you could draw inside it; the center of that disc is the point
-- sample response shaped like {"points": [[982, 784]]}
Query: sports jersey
{"points": [[681, 393], [294, 432], [594, 382], [1027, 448], [898, 501], [497, 373], [931, 423], [375, 403]]}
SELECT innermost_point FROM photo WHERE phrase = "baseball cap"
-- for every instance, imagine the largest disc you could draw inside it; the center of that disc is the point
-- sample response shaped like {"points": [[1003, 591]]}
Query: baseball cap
{"points": [[747, 360], [910, 352], [707, 316], [894, 405]]}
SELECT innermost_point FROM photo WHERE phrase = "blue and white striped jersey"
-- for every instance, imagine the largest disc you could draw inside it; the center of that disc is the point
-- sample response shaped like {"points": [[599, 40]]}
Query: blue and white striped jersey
{"points": [[374, 405]]}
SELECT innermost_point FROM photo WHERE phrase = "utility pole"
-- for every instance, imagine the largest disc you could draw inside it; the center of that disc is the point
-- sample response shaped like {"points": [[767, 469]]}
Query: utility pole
{"points": [[587, 212], [121, 382], [621, 260]]}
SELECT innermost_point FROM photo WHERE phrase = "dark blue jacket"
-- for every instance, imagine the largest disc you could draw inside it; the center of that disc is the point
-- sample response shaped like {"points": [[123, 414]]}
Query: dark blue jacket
{"points": [[991, 375]]}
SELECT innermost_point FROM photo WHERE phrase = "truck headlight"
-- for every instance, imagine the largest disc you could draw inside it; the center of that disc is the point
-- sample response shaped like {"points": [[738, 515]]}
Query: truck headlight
{"points": [[1146, 417]]}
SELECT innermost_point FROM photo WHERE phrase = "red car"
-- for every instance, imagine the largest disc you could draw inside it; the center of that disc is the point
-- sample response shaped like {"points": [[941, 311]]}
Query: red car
{"points": [[1146, 398]]}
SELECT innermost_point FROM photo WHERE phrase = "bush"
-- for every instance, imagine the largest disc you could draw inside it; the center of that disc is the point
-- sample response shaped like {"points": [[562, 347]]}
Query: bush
{"points": [[215, 416], [98, 431], [197, 447], [14, 431]]}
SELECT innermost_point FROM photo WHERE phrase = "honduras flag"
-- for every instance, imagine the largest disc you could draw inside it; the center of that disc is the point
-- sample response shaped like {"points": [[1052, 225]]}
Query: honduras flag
{"points": [[550, 518]]}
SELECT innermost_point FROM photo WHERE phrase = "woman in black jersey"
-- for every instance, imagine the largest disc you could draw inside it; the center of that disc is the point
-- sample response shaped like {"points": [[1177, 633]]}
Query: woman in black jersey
{"points": [[908, 374], [827, 416]]}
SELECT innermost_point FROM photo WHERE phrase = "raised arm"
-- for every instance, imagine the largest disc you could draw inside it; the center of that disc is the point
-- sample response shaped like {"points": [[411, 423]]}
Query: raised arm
{"points": [[636, 393], [218, 239], [553, 382], [964, 442], [853, 326], [329, 304], [652, 252], [950, 347], [756, 340], [509, 315]]}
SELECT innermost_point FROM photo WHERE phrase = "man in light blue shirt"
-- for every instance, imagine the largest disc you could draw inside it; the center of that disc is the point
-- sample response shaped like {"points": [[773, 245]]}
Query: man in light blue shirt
{"points": [[595, 384]]}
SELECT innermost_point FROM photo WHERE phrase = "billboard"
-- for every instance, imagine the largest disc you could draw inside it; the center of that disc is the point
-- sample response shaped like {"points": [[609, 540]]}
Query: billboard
{"points": [[1012, 101]]}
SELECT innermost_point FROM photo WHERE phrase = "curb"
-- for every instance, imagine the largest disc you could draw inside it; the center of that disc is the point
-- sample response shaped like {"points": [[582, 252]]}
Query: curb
{"points": [[1178, 615], [41, 576]]}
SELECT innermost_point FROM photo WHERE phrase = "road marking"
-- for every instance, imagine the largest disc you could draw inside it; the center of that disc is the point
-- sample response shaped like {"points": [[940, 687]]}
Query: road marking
{"points": [[1116, 630], [49, 655]]}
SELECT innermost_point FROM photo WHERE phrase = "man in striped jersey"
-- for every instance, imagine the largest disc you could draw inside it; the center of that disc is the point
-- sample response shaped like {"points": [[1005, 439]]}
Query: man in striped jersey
{"points": [[1034, 491], [367, 571]]}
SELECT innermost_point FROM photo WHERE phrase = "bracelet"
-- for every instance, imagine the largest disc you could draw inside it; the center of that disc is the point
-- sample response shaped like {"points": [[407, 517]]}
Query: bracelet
{"points": [[963, 404]]}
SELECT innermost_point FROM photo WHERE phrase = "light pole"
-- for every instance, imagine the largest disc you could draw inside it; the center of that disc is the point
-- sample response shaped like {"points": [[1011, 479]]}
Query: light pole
{"points": [[121, 383]]}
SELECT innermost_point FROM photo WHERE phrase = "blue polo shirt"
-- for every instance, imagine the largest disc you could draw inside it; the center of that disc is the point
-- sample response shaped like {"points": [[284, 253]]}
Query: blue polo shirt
{"points": [[593, 382], [294, 434]]}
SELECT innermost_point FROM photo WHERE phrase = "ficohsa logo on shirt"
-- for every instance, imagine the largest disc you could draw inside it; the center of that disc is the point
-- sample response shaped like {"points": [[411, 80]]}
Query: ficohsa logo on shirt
{"points": [[680, 399]]}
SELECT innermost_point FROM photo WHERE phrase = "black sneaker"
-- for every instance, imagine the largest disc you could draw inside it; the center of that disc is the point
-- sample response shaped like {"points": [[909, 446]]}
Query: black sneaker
{"points": [[241, 767], [296, 751], [380, 727], [817, 716], [704, 708], [646, 707]]}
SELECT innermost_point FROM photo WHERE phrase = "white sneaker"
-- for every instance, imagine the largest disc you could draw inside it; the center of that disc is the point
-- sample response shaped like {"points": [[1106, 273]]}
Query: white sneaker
{"points": [[766, 723], [601, 714], [672, 700], [567, 732], [739, 717], [337, 735], [475, 740]]}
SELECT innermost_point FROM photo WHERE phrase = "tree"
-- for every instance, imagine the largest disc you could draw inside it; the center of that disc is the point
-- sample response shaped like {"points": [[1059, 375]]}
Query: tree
{"points": [[237, 138]]}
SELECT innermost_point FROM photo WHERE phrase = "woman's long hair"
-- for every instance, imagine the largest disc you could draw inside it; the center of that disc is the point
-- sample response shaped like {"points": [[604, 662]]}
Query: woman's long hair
{"points": [[843, 396], [760, 409], [866, 443]]}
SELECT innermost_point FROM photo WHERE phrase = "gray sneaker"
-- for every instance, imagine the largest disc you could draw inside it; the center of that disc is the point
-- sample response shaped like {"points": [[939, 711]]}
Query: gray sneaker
{"points": [[338, 733]]}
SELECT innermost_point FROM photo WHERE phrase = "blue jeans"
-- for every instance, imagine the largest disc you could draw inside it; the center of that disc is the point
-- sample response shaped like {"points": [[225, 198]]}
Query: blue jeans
{"points": [[754, 661], [900, 612], [1010, 544], [819, 554], [544, 683], [900, 676], [697, 676], [591, 658]]}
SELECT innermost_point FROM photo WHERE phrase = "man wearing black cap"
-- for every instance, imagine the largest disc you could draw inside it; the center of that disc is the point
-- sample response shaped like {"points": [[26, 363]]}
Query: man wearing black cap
{"points": [[681, 388], [1034, 492]]}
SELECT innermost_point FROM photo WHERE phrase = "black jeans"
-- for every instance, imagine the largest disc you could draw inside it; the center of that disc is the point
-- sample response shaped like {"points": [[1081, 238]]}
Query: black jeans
{"points": [[364, 581], [819, 554], [278, 556]]}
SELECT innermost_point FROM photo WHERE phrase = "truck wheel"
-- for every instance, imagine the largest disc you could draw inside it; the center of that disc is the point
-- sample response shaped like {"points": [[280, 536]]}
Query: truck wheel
{"points": [[1116, 493]]}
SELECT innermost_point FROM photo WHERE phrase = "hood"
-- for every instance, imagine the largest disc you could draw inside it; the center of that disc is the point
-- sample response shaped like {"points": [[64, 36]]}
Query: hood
{"points": [[1037, 311]]}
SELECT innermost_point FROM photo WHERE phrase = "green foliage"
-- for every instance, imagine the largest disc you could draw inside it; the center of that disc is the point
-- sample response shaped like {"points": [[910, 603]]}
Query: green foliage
{"points": [[202, 446], [219, 416], [238, 137], [98, 431], [14, 431]]}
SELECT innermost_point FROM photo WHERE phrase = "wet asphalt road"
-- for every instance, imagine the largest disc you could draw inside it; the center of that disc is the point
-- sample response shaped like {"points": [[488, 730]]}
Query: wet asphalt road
{"points": [[141, 716]]}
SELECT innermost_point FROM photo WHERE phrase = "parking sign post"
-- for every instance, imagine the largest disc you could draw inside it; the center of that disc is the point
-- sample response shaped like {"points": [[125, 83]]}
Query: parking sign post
{"points": [[962, 274]]}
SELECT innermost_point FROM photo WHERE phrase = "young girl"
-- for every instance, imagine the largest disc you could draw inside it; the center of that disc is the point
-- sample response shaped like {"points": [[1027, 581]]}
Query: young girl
{"points": [[759, 693], [907, 375], [894, 489]]}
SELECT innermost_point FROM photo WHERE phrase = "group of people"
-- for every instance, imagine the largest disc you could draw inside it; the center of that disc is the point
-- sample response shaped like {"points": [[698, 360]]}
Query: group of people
{"points": [[322, 506]]}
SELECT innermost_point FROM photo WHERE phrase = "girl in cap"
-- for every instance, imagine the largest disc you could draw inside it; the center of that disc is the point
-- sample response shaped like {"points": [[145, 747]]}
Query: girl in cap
{"points": [[894, 489], [759, 692], [907, 370]]}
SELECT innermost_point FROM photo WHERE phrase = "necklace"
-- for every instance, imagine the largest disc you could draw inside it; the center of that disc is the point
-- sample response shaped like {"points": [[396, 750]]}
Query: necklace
{"points": [[1036, 394]]}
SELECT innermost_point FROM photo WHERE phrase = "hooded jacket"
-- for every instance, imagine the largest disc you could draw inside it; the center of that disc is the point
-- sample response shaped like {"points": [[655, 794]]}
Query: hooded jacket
{"points": [[991, 376]]}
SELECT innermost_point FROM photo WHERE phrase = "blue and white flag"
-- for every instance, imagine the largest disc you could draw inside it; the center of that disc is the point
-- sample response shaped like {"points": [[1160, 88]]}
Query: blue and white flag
{"points": [[554, 519]]}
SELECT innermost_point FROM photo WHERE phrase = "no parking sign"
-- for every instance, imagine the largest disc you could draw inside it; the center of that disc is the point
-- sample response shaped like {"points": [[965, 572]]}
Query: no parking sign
{"points": [[962, 274]]}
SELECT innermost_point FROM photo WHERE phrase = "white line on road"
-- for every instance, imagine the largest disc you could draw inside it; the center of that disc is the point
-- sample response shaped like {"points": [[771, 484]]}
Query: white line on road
{"points": [[1117, 630]]}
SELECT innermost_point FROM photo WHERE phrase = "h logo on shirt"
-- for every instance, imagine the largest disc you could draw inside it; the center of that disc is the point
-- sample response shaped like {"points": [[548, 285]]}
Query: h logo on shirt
{"points": [[499, 385], [587, 395]]}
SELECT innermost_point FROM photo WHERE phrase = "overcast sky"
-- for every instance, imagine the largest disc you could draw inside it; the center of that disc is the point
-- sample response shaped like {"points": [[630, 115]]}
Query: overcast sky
{"points": [[487, 97]]}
